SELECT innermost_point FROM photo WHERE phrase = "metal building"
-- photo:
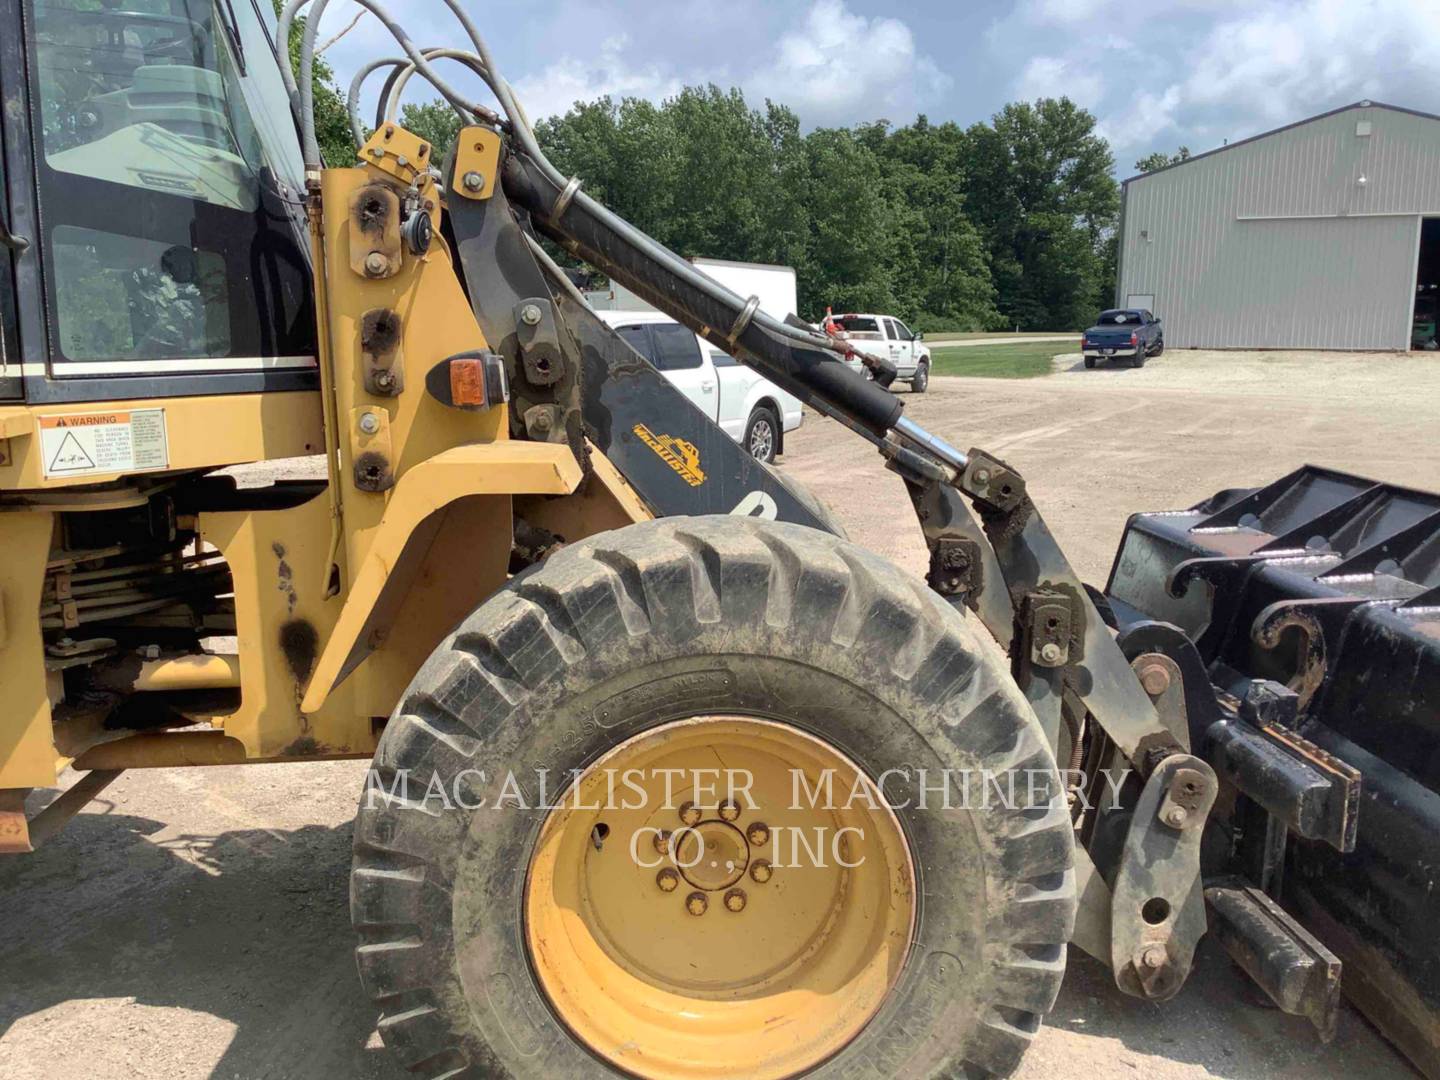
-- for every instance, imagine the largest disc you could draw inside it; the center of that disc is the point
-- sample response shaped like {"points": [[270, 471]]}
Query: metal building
{"points": [[1306, 237]]}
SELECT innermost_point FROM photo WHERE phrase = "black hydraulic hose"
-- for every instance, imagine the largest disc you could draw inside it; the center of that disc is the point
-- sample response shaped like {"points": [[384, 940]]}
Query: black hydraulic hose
{"points": [[809, 374]]}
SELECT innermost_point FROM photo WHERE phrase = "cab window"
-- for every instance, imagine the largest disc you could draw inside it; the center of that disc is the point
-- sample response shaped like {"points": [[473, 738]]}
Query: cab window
{"points": [[675, 347], [169, 177], [858, 324], [638, 338]]}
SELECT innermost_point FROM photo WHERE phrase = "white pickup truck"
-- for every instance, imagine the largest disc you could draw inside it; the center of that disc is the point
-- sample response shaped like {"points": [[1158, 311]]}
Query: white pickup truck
{"points": [[888, 338], [748, 407]]}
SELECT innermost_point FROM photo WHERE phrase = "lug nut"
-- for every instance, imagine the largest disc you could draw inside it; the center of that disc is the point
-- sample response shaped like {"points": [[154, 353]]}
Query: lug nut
{"points": [[530, 315], [662, 842], [735, 900], [1154, 957], [760, 871], [473, 181], [690, 814], [982, 476], [376, 263], [729, 810], [1050, 652], [369, 423], [667, 879], [697, 903], [758, 834], [1176, 817], [384, 379]]}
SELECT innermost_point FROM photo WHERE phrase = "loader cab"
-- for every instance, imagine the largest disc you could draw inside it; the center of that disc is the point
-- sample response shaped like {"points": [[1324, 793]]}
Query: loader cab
{"points": [[156, 174]]}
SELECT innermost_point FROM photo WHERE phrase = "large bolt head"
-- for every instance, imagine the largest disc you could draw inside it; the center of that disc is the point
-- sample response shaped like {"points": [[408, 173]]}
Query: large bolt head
{"points": [[1050, 652], [1154, 957], [760, 871], [376, 263], [735, 900], [662, 842], [473, 181], [369, 423], [758, 834], [1155, 678], [690, 814], [697, 903], [530, 315], [667, 879], [729, 810], [1176, 817]]}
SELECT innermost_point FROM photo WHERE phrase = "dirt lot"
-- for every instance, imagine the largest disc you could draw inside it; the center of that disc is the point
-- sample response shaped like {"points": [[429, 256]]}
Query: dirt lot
{"points": [[193, 923]]}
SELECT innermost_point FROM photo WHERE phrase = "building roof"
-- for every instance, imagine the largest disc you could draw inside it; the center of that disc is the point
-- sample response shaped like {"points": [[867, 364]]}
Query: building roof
{"points": [[1364, 104]]}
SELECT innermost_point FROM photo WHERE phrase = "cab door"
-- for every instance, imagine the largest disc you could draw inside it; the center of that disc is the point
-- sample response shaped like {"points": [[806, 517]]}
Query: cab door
{"points": [[902, 349], [13, 245], [736, 381]]}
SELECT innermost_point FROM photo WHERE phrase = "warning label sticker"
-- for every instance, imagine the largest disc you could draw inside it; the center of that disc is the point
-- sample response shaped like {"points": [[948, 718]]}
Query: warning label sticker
{"points": [[112, 442]]}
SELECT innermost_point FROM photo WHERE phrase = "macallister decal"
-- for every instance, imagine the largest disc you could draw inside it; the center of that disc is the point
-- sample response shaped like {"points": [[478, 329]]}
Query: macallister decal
{"points": [[677, 453]]}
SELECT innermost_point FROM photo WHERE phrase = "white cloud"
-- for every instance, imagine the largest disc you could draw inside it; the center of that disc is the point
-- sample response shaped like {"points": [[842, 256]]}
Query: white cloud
{"points": [[1284, 60], [831, 65], [1062, 12], [837, 67], [1055, 76], [552, 90], [1208, 66]]}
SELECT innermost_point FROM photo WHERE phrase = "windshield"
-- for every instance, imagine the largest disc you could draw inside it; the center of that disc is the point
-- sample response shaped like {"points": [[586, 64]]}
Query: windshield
{"points": [[170, 176], [150, 96]]}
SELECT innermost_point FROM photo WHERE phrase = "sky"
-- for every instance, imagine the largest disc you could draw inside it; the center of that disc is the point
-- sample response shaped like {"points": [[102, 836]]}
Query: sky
{"points": [[1157, 74]]}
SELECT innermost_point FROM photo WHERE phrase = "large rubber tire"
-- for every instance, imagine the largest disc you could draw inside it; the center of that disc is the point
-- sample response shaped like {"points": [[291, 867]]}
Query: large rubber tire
{"points": [[1159, 347], [625, 631], [921, 381], [1089, 361], [1138, 360], [762, 434]]}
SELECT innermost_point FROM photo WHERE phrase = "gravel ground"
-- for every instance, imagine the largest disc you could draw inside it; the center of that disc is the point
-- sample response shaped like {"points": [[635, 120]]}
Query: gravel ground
{"points": [[192, 923]]}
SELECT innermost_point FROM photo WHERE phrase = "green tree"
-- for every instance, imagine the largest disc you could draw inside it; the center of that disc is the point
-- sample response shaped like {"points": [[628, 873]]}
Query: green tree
{"points": [[626, 155], [1044, 198], [1010, 222], [332, 128], [1159, 160], [938, 261], [436, 122], [851, 241]]}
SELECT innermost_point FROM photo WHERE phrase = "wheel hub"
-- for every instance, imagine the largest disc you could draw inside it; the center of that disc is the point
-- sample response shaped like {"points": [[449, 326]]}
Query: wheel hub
{"points": [[719, 933], [713, 855]]}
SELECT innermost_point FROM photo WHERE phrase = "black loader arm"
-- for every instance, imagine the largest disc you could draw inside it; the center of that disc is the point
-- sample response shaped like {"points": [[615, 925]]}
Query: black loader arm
{"points": [[573, 378]]}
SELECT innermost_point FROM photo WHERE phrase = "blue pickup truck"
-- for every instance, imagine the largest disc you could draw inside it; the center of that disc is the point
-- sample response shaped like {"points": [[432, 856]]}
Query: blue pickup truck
{"points": [[1123, 332]]}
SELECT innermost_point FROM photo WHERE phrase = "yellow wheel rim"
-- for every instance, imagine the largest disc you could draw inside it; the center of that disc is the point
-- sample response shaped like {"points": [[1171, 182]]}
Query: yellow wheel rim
{"points": [[684, 922]]}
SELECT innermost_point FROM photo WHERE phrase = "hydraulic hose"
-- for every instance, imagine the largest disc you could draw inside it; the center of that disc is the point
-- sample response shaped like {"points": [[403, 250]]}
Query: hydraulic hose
{"points": [[304, 90]]}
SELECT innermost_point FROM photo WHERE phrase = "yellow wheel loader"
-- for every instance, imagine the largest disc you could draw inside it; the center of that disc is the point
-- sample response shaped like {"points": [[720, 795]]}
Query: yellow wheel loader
{"points": [[669, 779]]}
